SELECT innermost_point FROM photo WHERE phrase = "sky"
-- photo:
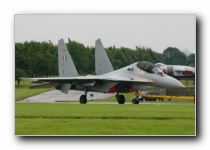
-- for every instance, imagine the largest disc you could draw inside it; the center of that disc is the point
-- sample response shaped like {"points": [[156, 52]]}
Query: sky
{"points": [[153, 31]]}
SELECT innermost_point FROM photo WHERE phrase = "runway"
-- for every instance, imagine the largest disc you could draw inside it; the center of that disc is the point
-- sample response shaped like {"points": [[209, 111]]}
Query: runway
{"points": [[73, 98], [56, 95]]}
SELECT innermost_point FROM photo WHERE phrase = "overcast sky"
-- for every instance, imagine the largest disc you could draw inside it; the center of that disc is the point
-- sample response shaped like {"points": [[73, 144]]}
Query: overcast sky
{"points": [[154, 31]]}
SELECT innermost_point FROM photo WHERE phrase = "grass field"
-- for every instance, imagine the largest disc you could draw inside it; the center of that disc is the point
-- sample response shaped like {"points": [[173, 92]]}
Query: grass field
{"points": [[162, 118], [72, 119], [188, 83], [22, 91]]}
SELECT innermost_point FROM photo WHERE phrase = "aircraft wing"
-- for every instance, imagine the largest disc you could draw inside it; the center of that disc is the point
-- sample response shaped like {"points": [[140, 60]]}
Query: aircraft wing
{"points": [[66, 82], [86, 79]]}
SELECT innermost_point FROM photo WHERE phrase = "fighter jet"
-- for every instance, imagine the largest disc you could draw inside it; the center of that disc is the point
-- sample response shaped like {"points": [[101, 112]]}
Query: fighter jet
{"points": [[127, 79], [177, 71]]}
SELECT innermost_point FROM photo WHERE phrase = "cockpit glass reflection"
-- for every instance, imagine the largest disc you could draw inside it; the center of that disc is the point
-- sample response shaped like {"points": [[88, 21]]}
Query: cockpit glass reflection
{"points": [[157, 71], [149, 67]]}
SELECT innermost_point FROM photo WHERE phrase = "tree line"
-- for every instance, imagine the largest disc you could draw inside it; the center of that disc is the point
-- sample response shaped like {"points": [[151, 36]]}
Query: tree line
{"points": [[39, 59]]}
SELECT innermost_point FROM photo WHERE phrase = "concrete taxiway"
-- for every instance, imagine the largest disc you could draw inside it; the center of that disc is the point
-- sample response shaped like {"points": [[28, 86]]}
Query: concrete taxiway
{"points": [[55, 95]]}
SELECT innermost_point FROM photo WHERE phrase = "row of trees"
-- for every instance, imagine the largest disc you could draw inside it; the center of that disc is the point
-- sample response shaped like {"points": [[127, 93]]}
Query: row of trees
{"points": [[35, 59]]}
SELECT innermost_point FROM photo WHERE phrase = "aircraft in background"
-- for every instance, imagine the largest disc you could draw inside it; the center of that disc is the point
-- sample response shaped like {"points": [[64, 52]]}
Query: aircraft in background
{"points": [[178, 71], [103, 65], [128, 79]]}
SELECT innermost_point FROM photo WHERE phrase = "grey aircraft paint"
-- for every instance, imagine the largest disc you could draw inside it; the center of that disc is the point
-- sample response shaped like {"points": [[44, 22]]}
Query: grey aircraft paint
{"points": [[102, 62], [119, 81]]}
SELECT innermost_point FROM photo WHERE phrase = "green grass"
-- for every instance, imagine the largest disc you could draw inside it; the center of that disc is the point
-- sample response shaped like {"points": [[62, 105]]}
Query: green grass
{"points": [[72, 119], [22, 91], [188, 83]]}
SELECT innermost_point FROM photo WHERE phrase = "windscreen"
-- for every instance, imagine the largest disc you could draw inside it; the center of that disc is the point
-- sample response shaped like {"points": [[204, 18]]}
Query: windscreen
{"points": [[146, 66], [149, 67]]}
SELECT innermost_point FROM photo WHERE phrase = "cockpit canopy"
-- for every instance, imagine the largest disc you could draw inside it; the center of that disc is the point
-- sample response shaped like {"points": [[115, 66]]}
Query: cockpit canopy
{"points": [[146, 66], [149, 67]]}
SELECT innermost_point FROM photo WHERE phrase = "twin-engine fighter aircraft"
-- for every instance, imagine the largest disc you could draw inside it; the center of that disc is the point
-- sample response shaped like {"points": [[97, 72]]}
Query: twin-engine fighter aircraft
{"points": [[127, 79]]}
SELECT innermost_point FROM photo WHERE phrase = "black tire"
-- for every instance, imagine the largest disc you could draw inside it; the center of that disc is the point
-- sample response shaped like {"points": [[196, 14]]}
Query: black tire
{"points": [[135, 101], [121, 99], [143, 99], [83, 99]]}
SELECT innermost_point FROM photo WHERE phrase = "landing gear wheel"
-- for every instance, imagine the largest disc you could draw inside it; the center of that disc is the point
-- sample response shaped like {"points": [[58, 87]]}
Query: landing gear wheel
{"points": [[121, 99], [83, 99], [135, 101], [117, 95]]}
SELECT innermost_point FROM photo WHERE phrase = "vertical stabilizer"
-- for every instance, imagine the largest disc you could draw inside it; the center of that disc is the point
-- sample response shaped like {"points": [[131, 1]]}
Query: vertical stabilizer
{"points": [[102, 62], [66, 66]]}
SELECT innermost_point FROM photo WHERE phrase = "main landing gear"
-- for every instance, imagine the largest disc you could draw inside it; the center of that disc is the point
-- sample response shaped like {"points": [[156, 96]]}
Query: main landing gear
{"points": [[83, 98], [120, 98]]}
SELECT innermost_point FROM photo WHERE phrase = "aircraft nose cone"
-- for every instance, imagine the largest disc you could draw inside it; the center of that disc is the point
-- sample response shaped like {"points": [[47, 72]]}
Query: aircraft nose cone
{"points": [[171, 82]]}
